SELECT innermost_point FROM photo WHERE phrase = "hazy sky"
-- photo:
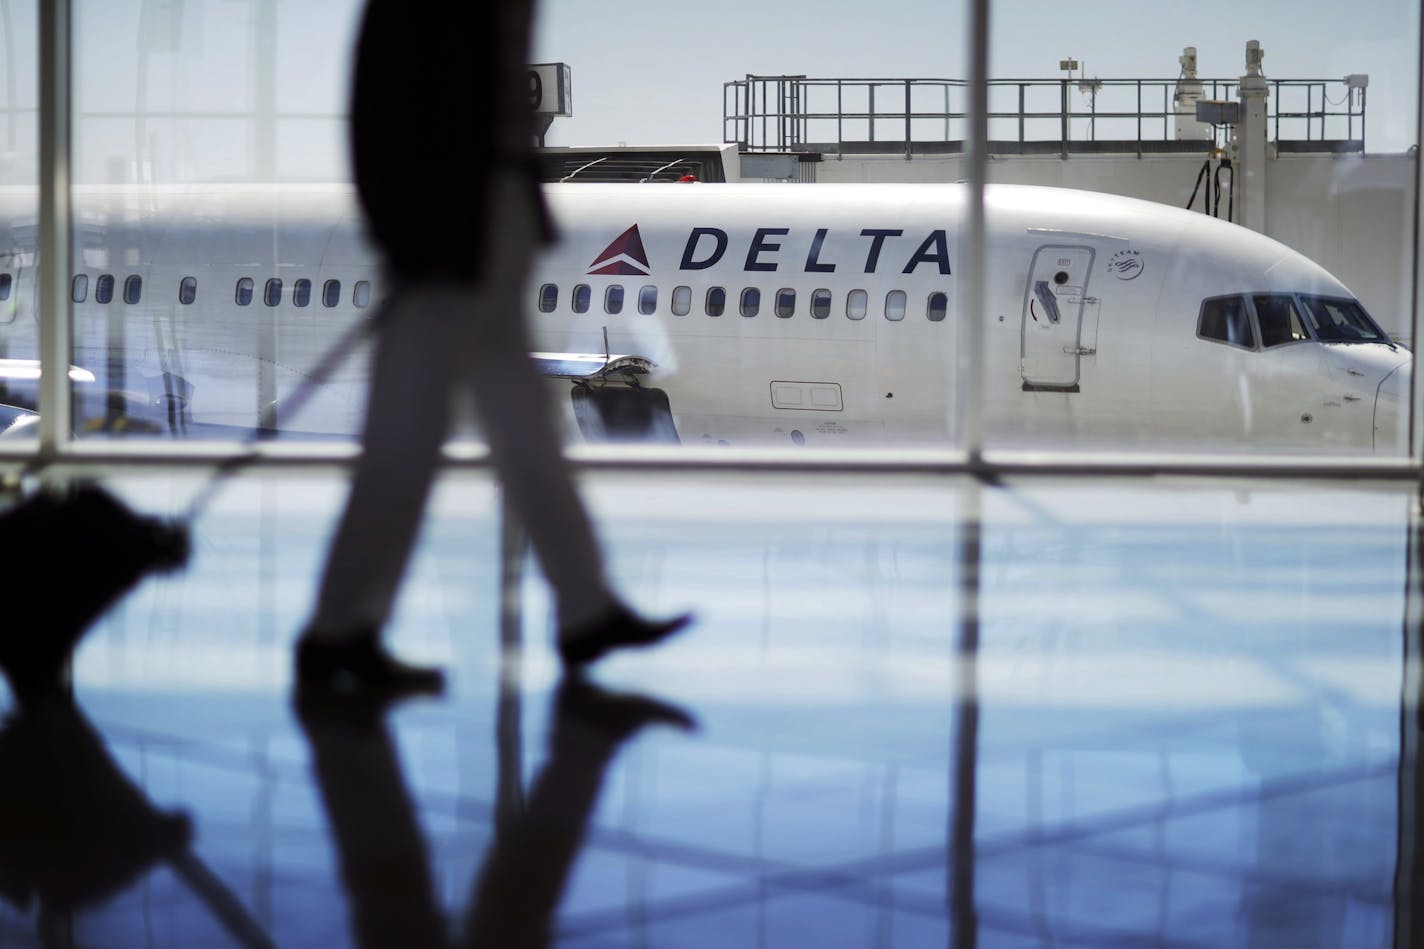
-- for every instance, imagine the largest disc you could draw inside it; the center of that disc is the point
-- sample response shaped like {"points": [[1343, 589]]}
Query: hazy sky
{"points": [[651, 71]]}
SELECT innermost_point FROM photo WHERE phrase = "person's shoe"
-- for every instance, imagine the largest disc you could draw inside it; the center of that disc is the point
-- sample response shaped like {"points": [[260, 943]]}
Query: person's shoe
{"points": [[362, 666], [619, 628]]}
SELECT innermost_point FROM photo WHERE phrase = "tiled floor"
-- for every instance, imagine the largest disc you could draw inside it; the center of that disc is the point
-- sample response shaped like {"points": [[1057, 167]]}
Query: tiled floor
{"points": [[1183, 727]]}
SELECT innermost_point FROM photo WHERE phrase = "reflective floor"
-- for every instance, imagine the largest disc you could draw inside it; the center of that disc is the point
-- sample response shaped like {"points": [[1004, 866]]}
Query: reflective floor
{"points": [[1115, 713]]}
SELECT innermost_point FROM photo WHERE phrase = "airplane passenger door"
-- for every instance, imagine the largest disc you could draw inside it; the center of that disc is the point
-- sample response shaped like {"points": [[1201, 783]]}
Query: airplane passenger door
{"points": [[1051, 342]]}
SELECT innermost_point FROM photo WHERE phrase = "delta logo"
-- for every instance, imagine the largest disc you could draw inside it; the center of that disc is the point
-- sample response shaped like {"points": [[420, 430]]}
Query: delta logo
{"points": [[768, 248], [624, 257]]}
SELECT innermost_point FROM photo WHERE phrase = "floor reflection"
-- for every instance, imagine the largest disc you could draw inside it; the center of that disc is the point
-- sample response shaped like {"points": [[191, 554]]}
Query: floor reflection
{"points": [[1127, 713]]}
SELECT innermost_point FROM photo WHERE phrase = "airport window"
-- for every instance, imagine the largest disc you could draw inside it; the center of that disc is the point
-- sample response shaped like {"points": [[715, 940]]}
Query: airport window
{"points": [[331, 293], [855, 304], [895, 305], [820, 304], [548, 298], [244, 291], [79, 288], [301, 292], [361, 295], [751, 301], [785, 302], [1278, 319], [272, 292], [188, 290], [1224, 320], [648, 301], [613, 299], [716, 301], [5, 280], [582, 297], [681, 301], [104, 288], [938, 307], [1344, 321]]}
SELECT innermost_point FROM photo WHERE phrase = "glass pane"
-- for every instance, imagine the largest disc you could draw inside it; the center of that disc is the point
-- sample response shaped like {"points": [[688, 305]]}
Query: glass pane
{"points": [[681, 301], [751, 301]]}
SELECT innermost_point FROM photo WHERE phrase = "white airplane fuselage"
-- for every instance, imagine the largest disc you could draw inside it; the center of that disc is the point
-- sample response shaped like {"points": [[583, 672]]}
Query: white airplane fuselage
{"points": [[1109, 321]]}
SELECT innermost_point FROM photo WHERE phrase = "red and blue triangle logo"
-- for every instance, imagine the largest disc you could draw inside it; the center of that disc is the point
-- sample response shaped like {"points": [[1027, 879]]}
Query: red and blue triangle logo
{"points": [[624, 256]]}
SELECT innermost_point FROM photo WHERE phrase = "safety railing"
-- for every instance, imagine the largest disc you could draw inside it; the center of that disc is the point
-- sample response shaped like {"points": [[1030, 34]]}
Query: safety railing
{"points": [[802, 114]]}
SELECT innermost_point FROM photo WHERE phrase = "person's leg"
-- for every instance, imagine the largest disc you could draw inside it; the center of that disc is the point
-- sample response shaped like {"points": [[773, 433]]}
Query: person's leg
{"points": [[407, 417], [518, 420]]}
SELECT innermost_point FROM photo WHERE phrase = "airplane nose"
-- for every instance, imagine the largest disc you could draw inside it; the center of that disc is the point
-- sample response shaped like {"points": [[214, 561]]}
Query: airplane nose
{"points": [[1392, 413]]}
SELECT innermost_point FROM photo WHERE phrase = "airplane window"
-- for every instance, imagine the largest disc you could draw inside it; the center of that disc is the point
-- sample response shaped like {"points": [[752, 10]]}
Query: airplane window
{"points": [[1278, 319], [613, 299], [272, 292], [244, 291], [5, 280], [895, 305], [855, 305], [104, 288], [79, 288], [301, 292], [648, 301], [331, 293], [681, 301], [751, 301], [582, 296], [133, 289], [938, 307], [188, 290], [785, 302], [716, 301], [548, 298], [1224, 320], [361, 296], [1341, 321], [821, 304]]}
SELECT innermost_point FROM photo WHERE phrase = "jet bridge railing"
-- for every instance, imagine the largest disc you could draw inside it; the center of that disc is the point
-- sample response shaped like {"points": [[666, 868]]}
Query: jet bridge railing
{"points": [[800, 113]]}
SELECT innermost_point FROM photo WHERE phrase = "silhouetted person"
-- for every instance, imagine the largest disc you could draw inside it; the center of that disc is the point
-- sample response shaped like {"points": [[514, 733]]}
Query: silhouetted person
{"points": [[384, 862], [441, 135]]}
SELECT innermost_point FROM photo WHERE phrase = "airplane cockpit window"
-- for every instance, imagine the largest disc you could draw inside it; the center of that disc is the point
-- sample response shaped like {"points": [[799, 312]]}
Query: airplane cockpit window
{"points": [[104, 288], [272, 292], [79, 288], [613, 299], [361, 295], [583, 295], [648, 300], [244, 291], [938, 307], [548, 298], [5, 280], [188, 290], [820, 304], [331, 293], [856, 302], [133, 289], [681, 301], [785, 303], [716, 301], [1335, 320], [751, 301], [301, 292], [895, 305], [1225, 320], [1279, 319]]}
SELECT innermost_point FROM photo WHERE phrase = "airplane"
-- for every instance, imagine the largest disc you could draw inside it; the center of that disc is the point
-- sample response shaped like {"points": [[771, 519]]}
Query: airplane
{"points": [[739, 314]]}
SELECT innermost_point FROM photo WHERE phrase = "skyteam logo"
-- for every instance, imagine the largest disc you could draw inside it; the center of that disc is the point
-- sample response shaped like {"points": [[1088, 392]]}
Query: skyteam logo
{"points": [[625, 256]]}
